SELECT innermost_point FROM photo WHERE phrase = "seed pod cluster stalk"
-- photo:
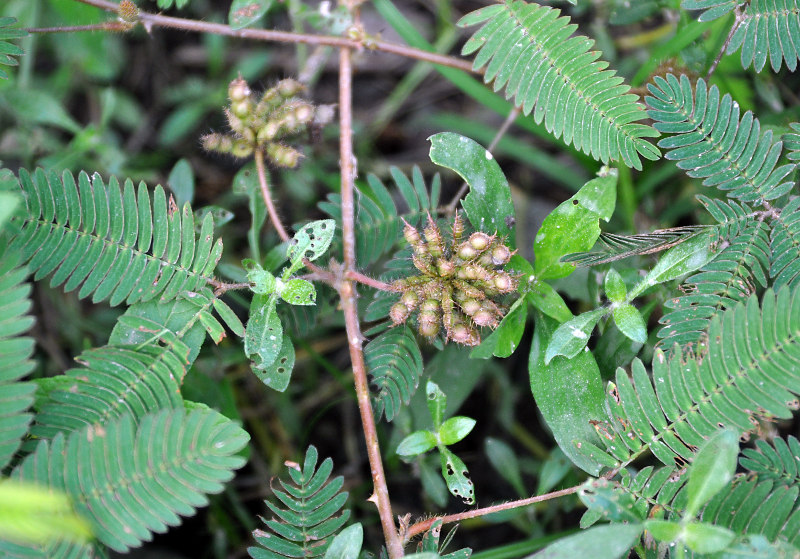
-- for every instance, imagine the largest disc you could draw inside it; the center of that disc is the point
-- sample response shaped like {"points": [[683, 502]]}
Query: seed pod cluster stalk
{"points": [[457, 285], [263, 122]]}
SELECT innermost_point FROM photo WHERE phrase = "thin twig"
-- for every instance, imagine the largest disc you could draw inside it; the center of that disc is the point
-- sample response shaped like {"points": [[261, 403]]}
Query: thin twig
{"points": [[737, 22], [348, 294], [114, 26], [149, 21], [264, 184], [425, 525], [368, 281], [221, 287], [512, 116]]}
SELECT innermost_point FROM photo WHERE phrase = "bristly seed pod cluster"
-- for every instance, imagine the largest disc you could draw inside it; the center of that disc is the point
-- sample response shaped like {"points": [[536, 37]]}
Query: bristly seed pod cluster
{"points": [[457, 284], [261, 123]]}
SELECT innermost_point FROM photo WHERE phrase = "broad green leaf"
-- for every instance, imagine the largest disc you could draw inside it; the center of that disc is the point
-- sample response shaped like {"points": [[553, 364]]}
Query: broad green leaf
{"points": [[613, 504], [298, 292], [347, 544], [229, 317], [630, 322], [569, 394], [574, 225], [664, 530], [278, 374], [615, 287], [246, 12], [686, 257], [263, 337], [610, 541], [502, 458], [455, 429], [711, 470], [457, 477], [554, 468], [263, 282], [505, 339], [571, 338], [488, 205], [181, 182], [437, 402], [8, 203], [546, 299], [30, 514], [706, 538], [215, 330], [418, 442], [312, 241], [37, 105]]}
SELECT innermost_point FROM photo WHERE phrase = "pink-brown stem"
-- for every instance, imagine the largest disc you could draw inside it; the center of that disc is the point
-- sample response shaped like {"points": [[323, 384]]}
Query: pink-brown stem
{"points": [[149, 21], [348, 294], [366, 280], [265, 194], [425, 525]]}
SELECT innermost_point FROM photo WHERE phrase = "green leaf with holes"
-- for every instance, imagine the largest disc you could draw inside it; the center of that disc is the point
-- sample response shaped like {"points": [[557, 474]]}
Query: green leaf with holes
{"points": [[279, 373], [299, 292], [574, 225], [312, 241], [263, 337], [456, 476], [263, 282]]}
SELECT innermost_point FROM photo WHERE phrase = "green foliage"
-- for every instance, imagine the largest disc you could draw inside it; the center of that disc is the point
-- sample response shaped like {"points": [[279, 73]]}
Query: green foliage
{"points": [[578, 99], [775, 462], [8, 50], [395, 366], [305, 528], [768, 28], [117, 244]]}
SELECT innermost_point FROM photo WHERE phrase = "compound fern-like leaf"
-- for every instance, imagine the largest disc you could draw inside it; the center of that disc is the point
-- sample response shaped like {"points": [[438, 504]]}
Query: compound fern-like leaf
{"points": [[8, 50], [731, 277], [768, 28], [778, 462], [395, 366], [531, 51], [709, 140], [713, 8], [751, 370], [785, 244], [379, 223], [307, 526], [15, 352], [130, 481], [115, 243]]}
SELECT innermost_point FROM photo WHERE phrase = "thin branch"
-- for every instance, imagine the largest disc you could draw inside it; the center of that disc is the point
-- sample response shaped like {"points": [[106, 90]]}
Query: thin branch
{"points": [[348, 294], [113, 26], [149, 21], [368, 281], [512, 116], [425, 525], [262, 182], [737, 22], [221, 287]]}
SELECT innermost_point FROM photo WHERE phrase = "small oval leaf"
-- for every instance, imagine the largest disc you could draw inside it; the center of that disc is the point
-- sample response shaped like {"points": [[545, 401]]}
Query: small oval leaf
{"points": [[455, 429], [416, 443], [572, 336]]}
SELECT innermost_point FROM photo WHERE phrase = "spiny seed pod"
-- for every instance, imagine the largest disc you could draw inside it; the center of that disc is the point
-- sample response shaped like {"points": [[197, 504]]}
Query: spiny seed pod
{"points": [[304, 113], [399, 313], [503, 282], [434, 238], [242, 149], [242, 108], [428, 326], [480, 241], [484, 318], [446, 268], [466, 251], [284, 156], [500, 255], [239, 91], [460, 333], [289, 88], [410, 300], [470, 306], [458, 228], [128, 11], [430, 305]]}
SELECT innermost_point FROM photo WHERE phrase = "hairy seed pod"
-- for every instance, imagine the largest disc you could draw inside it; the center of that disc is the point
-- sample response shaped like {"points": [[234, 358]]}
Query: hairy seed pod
{"points": [[430, 305], [410, 300], [269, 131], [283, 156], [484, 318], [434, 238], [460, 333], [466, 251], [458, 228], [446, 268], [242, 108], [428, 328], [480, 241], [304, 113], [500, 255], [503, 282], [289, 88], [423, 264], [128, 11], [470, 306], [239, 91], [398, 313], [242, 149], [412, 237]]}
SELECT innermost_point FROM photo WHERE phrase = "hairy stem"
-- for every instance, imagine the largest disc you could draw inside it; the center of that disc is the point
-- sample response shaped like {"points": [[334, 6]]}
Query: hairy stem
{"points": [[149, 21], [368, 281], [264, 184], [349, 295], [425, 525]]}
